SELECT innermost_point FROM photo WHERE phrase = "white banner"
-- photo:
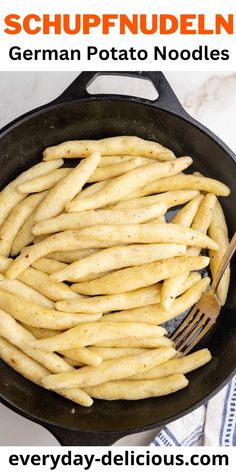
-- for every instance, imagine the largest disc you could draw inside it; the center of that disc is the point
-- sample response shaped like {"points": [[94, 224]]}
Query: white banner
{"points": [[127, 459], [135, 35]]}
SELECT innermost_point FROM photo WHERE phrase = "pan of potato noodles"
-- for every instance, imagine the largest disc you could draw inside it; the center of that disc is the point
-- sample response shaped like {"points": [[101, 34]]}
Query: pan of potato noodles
{"points": [[115, 213]]}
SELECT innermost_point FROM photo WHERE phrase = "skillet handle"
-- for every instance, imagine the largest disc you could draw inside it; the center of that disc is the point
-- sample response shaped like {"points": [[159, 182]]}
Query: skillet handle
{"points": [[68, 437], [166, 100]]}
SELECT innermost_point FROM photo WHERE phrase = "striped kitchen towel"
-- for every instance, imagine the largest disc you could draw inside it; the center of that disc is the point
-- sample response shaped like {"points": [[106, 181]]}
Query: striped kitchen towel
{"points": [[213, 424]]}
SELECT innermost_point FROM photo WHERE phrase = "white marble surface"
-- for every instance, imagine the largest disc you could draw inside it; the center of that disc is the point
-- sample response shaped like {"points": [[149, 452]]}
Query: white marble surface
{"points": [[209, 97]]}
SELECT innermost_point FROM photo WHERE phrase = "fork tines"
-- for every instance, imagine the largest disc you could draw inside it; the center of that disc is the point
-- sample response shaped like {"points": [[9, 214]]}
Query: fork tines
{"points": [[191, 330]]}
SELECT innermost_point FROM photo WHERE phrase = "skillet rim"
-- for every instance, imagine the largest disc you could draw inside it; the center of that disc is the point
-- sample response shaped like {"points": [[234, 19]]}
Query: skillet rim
{"points": [[179, 113]]}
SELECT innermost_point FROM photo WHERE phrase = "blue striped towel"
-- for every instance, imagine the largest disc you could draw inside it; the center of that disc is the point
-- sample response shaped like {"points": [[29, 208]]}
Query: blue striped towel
{"points": [[213, 424]]}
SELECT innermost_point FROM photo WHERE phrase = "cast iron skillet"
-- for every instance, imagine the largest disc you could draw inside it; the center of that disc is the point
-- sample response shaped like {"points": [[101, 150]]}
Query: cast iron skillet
{"points": [[74, 115]]}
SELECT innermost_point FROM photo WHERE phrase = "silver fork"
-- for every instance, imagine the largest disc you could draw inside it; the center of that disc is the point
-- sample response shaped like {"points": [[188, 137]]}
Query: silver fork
{"points": [[205, 312]]}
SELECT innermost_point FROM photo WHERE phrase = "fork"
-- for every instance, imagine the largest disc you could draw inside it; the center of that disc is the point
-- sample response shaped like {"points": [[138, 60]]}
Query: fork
{"points": [[205, 312]]}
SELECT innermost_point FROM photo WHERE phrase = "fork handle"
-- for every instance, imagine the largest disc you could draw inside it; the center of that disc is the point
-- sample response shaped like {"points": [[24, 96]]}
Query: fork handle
{"points": [[224, 262]]}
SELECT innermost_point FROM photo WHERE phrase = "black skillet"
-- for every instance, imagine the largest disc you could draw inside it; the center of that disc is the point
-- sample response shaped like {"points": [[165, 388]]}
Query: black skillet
{"points": [[78, 115]]}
